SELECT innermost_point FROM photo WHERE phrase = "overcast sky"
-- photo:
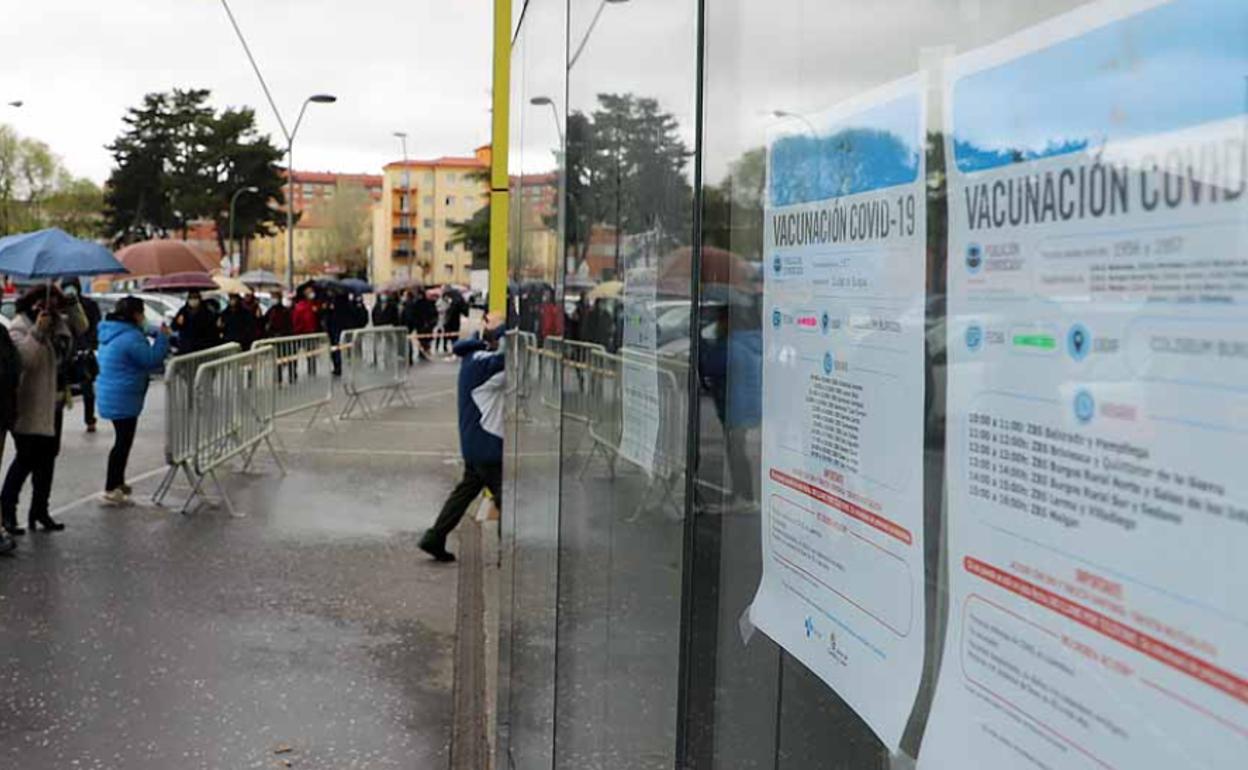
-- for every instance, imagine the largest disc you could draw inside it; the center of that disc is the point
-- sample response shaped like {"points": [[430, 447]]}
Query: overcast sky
{"points": [[420, 66]]}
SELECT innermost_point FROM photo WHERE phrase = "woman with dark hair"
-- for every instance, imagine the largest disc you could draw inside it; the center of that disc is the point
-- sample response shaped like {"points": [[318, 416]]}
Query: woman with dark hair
{"points": [[43, 332], [127, 359]]}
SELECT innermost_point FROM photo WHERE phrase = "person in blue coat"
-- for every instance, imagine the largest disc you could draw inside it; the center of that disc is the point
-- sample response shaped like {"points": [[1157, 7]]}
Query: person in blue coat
{"points": [[482, 384], [127, 360]]}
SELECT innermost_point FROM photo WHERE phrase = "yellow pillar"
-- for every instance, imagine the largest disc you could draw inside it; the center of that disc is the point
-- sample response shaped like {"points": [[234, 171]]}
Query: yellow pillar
{"points": [[499, 198]]}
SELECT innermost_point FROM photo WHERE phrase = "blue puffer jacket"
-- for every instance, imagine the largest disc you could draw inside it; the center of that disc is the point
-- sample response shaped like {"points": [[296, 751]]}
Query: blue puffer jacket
{"points": [[126, 360]]}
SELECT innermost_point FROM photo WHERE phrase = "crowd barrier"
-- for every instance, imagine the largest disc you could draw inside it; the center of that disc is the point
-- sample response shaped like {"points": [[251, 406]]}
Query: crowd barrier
{"points": [[180, 375], [234, 413], [304, 373], [374, 359]]}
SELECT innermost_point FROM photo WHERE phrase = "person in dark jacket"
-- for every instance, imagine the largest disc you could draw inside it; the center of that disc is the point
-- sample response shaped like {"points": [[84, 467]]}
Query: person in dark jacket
{"points": [[482, 382], [10, 377], [238, 323], [407, 318], [455, 313], [426, 317], [127, 360], [278, 320], [359, 313], [386, 311], [341, 318], [196, 325], [85, 368]]}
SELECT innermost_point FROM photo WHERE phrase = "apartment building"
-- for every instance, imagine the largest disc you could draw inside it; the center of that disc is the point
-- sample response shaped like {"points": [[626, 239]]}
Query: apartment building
{"points": [[420, 201]]}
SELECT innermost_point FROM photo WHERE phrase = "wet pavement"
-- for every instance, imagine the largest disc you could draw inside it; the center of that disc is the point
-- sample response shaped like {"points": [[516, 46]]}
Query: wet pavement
{"points": [[310, 633]]}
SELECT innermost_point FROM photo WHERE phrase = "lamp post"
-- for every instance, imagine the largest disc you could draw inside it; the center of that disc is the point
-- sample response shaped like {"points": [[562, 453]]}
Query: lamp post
{"points": [[233, 201], [561, 214], [411, 206], [590, 29], [290, 185], [16, 103], [782, 114]]}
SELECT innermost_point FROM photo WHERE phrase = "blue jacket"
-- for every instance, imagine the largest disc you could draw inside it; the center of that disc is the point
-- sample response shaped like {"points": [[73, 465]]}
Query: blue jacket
{"points": [[126, 360], [734, 366], [482, 382]]}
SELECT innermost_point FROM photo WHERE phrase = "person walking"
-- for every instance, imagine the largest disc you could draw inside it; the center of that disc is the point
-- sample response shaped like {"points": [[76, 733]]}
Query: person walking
{"points": [[85, 368], [455, 313], [407, 317], [481, 389], [10, 377], [196, 325], [440, 340], [426, 312], [127, 360], [43, 333]]}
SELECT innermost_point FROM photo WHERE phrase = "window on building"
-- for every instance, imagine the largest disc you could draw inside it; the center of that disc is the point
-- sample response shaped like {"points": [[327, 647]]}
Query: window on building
{"points": [[428, 200], [426, 246], [428, 222], [448, 270], [450, 200], [449, 246], [405, 179]]}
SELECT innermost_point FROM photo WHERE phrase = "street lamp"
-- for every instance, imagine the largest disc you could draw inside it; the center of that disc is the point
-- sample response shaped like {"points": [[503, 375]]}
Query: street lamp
{"points": [[234, 200], [590, 30], [290, 184], [16, 103], [783, 114], [546, 101]]}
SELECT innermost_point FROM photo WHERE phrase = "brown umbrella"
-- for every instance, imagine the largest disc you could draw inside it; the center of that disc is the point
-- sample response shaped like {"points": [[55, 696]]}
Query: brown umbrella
{"points": [[165, 257], [180, 282], [722, 271]]}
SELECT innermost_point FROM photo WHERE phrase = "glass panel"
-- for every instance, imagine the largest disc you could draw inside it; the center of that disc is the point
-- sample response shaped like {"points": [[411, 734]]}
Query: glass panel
{"points": [[527, 665], [630, 137]]}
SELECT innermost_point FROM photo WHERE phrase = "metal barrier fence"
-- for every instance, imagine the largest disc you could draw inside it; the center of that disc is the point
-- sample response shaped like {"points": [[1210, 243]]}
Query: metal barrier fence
{"points": [[607, 415], [180, 375], [304, 373], [375, 360], [235, 410]]}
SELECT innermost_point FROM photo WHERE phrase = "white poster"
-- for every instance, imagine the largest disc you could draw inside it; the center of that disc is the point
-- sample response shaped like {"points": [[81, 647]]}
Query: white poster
{"points": [[843, 400], [1097, 430], [640, 435]]}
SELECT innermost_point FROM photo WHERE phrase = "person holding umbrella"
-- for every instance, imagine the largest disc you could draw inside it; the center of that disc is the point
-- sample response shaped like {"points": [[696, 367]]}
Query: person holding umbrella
{"points": [[127, 360], [44, 330]]}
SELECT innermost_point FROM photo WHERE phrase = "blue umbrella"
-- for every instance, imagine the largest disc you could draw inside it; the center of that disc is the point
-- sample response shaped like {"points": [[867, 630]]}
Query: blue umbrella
{"points": [[54, 253]]}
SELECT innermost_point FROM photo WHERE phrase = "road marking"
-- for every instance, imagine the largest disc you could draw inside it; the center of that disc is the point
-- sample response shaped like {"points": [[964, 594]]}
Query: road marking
{"points": [[95, 496]]}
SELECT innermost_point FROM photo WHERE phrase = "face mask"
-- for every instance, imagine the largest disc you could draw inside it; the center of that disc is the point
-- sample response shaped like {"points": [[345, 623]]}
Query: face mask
{"points": [[192, 303], [309, 296], [71, 291]]}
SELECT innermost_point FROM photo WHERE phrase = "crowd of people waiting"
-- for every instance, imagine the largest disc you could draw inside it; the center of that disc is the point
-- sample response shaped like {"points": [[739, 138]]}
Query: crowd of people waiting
{"points": [[50, 350]]}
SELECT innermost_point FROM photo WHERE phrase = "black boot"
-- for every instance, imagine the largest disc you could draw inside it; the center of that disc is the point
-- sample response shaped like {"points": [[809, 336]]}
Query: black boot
{"points": [[44, 520], [6, 543], [8, 520]]}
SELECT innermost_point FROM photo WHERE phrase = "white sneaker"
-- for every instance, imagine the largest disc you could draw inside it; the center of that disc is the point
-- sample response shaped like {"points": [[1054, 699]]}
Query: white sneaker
{"points": [[116, 497]]}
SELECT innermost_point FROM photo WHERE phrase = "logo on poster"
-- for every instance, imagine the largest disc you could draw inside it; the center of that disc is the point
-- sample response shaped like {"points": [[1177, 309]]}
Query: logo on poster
{"points": [[777, 264], [1078, 342], [825, 322], [1085, 407], [974, 258], [974, 337], [777, 318], [829, 362]]}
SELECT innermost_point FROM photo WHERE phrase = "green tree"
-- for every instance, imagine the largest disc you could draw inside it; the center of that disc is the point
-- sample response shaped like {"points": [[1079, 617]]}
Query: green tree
{"points": [[36, 190], [732, 211], [179, 160], [474, 233], [343, 228], [626, 167]]}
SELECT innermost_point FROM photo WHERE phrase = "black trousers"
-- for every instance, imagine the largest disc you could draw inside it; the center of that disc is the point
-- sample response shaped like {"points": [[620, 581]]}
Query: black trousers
{"points": [[476, 478], [88, 400], [119, 456], [35, 458]]}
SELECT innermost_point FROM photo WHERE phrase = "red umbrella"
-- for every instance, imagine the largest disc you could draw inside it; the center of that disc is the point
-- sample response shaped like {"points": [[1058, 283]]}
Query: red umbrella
{"points": [[164, 257], [175, 282], [720, 267]]}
